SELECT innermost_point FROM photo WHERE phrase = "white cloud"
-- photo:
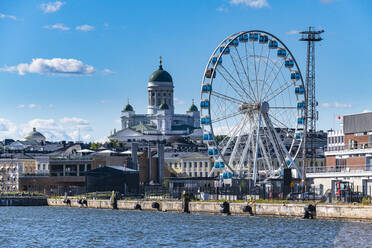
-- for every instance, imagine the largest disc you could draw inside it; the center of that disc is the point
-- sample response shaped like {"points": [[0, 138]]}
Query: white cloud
{"points": [[55, 66], [6, 126], [67, 128], [51, 105], [59, 26], [3, 16], [85, 28], [179, 101], [21, 106], [51, 7], [108, 71], [336, 105], [293, 32], [222, 9], [104, 101], [251, 3], [31, 106]]}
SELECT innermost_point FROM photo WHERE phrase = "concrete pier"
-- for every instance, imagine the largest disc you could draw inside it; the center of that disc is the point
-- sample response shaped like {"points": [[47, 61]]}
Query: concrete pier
{"points": [[360, 212]]}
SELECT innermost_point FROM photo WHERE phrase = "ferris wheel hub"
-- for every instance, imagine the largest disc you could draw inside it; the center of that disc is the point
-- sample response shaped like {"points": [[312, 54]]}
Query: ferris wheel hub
{"points": [[254, 107], [265, 107]]}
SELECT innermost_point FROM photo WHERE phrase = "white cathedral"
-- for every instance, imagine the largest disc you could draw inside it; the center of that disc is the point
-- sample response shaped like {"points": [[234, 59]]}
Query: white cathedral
{"points": [[160, 122]]}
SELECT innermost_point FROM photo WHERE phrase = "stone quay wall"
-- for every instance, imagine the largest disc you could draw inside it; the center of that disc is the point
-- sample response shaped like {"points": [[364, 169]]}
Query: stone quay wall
{"points": [[23, 201], [361, 212]]}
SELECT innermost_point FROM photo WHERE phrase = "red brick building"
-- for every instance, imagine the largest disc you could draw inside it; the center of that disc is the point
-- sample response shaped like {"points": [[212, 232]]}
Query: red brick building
{"points": [[351, 148]]}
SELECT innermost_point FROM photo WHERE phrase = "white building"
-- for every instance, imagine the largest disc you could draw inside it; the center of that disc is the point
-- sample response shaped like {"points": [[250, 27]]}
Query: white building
{"points": [[160, 120]]}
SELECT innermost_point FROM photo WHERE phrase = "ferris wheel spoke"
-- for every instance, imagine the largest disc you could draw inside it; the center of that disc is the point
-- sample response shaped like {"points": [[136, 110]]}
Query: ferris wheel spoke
{"points": [[273, 81], [226, 117], [264, 77], [255, 67], [237, 142], [237, 72], [246, 74], [247, 145], [278, 91], [229, 83], [230, 138], [247, 64], [224, 97], [280, 122], [260, 57], [256, 148], [267, 153], [281, 107]]}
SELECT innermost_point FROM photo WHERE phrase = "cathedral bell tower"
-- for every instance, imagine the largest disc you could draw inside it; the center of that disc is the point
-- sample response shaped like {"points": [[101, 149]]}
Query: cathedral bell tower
{"points": [[160, 90]]}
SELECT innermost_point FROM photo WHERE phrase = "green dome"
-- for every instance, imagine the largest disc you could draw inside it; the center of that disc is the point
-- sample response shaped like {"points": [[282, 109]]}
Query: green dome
{"points": [[160, 75], [128, 107], [193, 107], [164, 106]]}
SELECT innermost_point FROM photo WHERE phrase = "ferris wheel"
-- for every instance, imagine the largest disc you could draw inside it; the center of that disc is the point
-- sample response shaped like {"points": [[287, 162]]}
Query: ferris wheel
{"points": [[252, 107]]}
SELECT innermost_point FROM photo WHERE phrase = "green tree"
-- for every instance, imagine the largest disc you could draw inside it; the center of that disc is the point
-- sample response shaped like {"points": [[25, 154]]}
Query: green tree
{"points": [[95, 145]]}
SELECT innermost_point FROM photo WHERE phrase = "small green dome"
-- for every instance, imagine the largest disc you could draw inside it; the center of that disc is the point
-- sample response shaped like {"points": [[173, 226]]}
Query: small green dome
{"points": [[164, 106], [160, 75], [193, 107], [128, 107]]}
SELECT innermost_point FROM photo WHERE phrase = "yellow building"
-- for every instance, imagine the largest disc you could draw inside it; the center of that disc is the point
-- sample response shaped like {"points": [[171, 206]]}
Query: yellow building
{"points": [[11, 169], [192, 164]]}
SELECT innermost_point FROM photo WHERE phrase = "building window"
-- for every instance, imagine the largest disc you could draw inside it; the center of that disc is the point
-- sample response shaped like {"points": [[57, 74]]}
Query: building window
{"points": [[170, 165], [190, 165], [201, 174], [200, 164], [184, 165], [195, 164], [206, 164]]}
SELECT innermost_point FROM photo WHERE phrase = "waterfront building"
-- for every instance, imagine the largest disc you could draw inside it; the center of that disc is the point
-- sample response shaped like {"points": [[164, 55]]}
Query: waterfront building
{"points": [[191, 164], [12, 169], [351, 148], [160, 121], [348, 155]]}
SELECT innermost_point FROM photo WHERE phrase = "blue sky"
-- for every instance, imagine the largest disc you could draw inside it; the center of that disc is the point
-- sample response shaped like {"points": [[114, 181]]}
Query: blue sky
{"points": [[68, 67]]}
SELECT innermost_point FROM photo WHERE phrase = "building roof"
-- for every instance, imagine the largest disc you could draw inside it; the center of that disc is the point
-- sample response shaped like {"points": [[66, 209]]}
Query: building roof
{"points": [[160, 75], [142, 127], [109, 170], [193, 107], [34, 134], [358, 123], [164, 106], [128, 107]]}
